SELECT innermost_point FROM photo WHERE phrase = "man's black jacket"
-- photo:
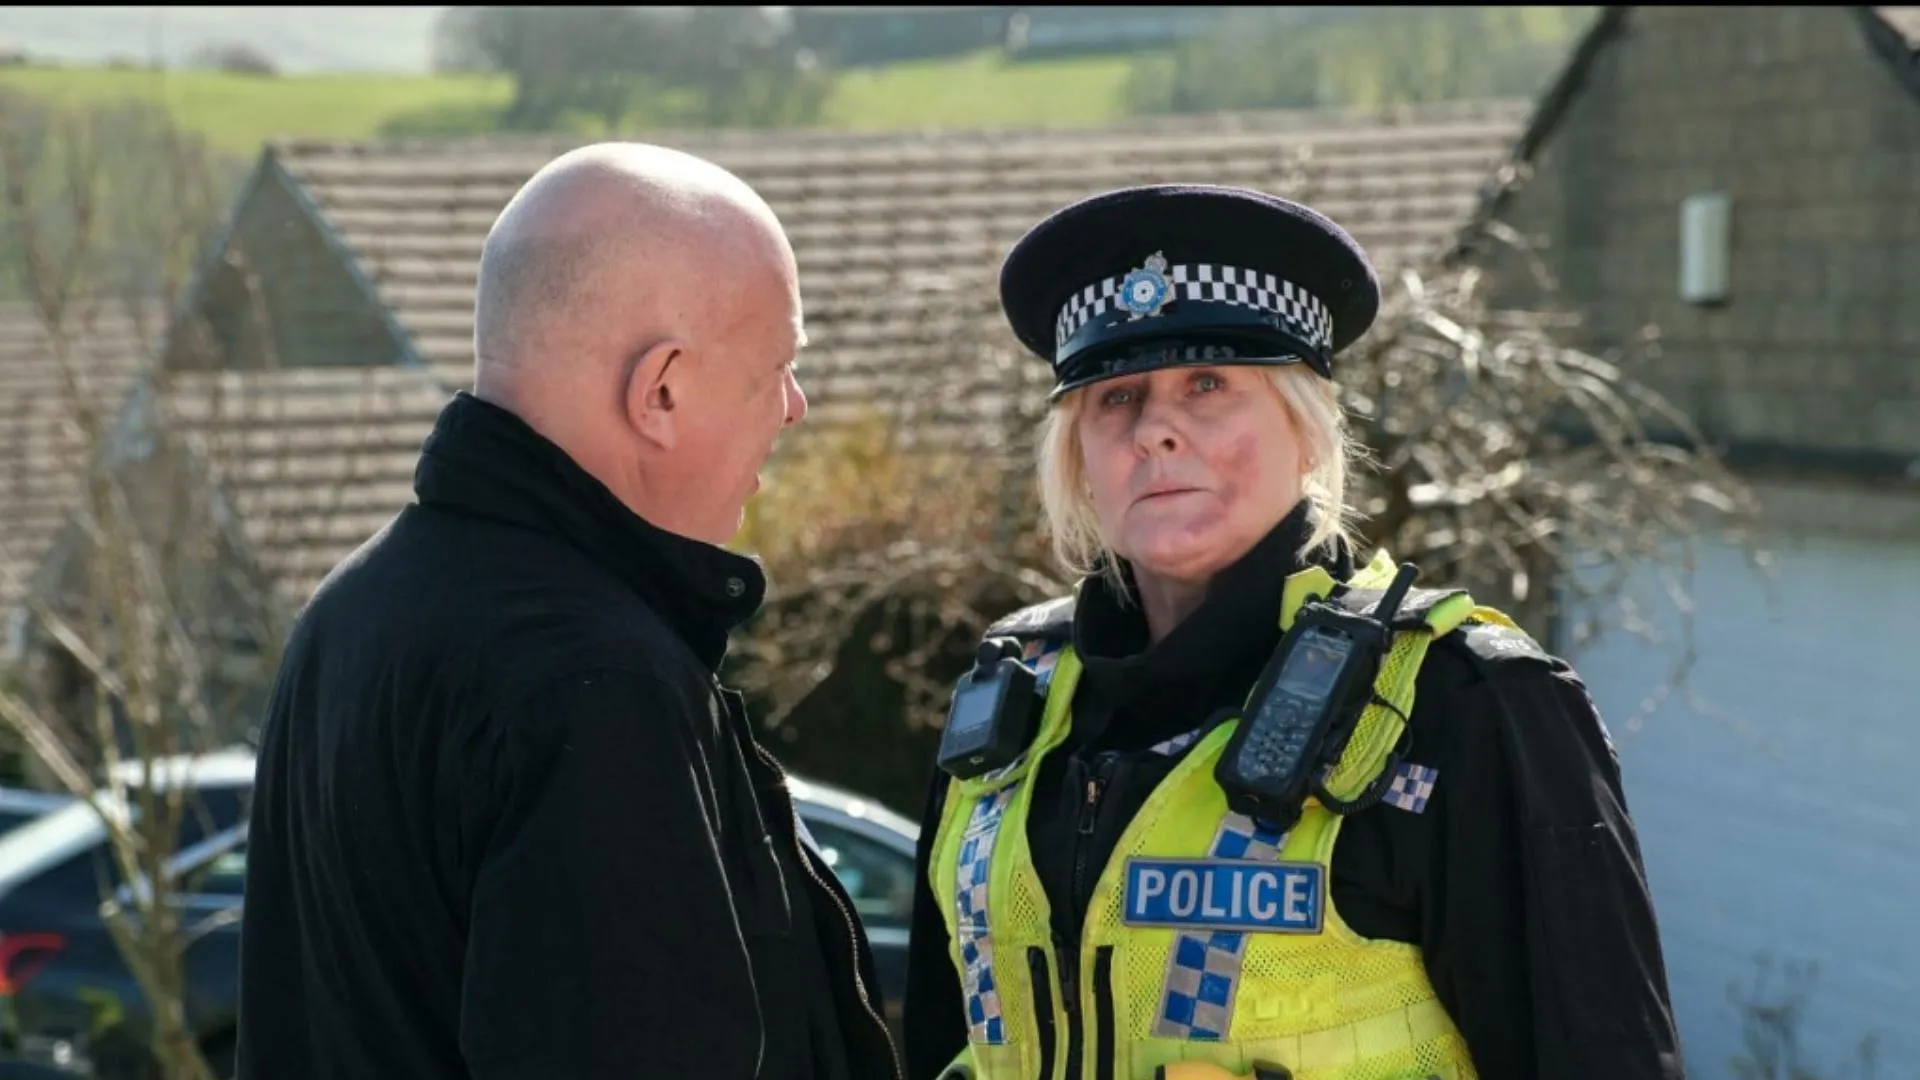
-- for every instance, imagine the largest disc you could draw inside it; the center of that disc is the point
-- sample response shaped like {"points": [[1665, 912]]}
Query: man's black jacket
{"points": [[509, 826]]}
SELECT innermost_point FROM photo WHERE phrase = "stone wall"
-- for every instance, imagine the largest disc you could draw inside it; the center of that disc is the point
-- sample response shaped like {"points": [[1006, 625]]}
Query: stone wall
{"points": [[1791, 113]]}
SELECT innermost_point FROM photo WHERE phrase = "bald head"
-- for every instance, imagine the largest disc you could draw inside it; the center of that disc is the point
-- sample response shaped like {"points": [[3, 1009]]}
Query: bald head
{"points": [[644, 229], [640, 308]]}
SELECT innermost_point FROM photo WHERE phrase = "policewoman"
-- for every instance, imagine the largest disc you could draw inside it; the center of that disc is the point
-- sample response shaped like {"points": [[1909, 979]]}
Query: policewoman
{"points": [[1248, 803]]}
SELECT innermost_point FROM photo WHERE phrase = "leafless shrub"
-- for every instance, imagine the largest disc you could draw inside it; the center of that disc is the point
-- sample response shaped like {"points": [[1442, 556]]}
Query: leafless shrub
{"points": [[152, 628]]}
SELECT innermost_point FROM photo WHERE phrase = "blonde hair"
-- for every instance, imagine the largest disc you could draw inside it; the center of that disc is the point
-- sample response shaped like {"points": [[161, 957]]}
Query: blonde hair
{"points": [[1066, 504]]}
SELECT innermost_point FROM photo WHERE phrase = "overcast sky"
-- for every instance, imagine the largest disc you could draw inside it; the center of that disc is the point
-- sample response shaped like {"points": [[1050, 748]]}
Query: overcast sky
{"points": [[296, 38]]}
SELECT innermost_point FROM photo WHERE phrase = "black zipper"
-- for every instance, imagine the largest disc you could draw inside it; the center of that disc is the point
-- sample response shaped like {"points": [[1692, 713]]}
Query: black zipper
{"points": [[1103, 1013], [1069, 952], [1042, 1007], [1069, 958], [1089, 819]]}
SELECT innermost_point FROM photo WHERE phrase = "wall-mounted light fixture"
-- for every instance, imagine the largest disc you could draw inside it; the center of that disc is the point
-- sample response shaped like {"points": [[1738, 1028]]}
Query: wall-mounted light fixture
{"points": [[1705, 247]]}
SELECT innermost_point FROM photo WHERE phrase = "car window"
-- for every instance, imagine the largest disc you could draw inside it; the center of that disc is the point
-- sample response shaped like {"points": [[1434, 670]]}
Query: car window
{"points": [[93, 872], [878, 878], [223, 875], [212, 810], [12, 819]]}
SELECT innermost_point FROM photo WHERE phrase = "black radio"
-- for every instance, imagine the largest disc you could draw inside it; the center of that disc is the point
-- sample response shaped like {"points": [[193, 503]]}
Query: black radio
{"points": [[991, 719], [1305, 705]]}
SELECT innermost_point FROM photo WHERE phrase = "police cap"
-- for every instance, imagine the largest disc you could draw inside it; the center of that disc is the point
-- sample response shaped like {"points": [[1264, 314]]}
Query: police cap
{"points": [[1185, 274]]}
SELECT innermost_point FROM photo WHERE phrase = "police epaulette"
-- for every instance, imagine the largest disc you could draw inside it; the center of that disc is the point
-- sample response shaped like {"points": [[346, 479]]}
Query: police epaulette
{"points": [[1492, 641], [1049, 621]]}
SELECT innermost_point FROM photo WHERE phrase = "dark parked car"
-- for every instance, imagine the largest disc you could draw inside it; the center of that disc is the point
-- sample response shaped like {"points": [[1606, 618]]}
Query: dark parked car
{"points": [[68, 1004], [19, 806], [70, 1008], [871, 851]]}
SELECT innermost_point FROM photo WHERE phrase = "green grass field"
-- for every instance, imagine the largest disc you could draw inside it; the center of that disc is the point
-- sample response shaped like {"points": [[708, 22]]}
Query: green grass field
{"points": [[982, 90], [237, 112]]}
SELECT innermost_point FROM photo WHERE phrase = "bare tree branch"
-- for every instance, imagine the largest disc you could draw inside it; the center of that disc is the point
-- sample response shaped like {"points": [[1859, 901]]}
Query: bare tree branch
{"points": [[132, 614]]}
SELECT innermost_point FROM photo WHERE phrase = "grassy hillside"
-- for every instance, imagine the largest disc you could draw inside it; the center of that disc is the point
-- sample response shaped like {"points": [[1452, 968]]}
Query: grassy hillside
{"points": [[237, 112], [982, 90]]}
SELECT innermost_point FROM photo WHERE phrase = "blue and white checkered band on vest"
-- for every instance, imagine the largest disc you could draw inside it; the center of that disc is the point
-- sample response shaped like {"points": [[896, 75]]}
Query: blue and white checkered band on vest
{"points": [[1140, 293], [971, 924]]}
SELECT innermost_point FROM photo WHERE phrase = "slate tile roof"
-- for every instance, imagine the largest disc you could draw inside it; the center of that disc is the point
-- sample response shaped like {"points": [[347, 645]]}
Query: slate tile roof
{"points": [[42, 450], [899, 237], [312, 461]]}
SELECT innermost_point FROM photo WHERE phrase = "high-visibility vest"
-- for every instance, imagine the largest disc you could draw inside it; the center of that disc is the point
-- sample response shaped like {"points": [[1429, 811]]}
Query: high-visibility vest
{"points": [[1150, 984]]}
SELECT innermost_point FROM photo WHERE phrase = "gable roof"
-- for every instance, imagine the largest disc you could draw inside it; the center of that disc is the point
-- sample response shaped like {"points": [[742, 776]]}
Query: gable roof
{"points": [[890, 228], [1892, 32], [42, 451], [899, 238]]}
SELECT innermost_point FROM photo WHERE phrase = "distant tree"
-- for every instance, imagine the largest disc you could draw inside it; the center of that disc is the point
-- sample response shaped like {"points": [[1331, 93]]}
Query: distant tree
{"points": [[1345, 57], [136, 149], [1254, 58], [238, 58], [709, 65], [745, 67]]}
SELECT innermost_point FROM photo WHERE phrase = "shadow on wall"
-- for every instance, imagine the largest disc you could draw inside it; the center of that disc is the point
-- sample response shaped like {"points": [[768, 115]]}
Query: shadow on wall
{"points": [[1771, 1018]]}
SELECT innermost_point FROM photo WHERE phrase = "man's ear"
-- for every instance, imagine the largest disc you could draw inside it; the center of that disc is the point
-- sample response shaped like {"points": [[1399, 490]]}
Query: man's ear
{"points": [[652, 395]]}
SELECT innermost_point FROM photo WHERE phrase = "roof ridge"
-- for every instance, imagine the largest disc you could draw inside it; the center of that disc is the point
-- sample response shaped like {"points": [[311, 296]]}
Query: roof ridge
{"points": [[1904, 20]]}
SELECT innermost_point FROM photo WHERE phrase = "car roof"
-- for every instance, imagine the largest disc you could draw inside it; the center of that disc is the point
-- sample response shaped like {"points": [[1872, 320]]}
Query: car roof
{"points": [[61, 833], [28, 801], [852, 805], [228, 767]]}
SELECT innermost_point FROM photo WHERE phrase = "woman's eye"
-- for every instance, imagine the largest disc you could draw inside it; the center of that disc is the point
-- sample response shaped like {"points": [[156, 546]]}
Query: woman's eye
{"points": [[1114, 398], [1208, 382]]}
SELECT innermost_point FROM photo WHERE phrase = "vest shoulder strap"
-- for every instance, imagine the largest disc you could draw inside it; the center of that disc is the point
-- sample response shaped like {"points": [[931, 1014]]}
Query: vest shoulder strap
{"points": [[1050, 622], [1440, 610]]}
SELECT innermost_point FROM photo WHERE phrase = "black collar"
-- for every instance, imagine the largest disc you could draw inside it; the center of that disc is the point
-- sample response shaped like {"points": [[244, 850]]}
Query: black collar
{"points": [[485, 461], [1238, 622]]}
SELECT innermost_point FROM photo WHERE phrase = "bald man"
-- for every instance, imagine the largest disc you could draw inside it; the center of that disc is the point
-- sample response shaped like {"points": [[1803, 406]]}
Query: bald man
{"points": [[508, 824]]}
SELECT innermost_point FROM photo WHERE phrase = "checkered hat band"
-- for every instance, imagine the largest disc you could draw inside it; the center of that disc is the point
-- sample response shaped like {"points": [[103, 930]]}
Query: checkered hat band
{"points": [[1219, 284]]}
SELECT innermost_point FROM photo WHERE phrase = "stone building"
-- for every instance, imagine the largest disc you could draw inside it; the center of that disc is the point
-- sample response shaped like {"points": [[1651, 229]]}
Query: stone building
{"points": [[1742, 181]]}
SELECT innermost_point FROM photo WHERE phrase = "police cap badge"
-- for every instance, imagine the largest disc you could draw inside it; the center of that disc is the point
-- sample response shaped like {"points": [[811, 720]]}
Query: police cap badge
{"points": [[1182, 274]]}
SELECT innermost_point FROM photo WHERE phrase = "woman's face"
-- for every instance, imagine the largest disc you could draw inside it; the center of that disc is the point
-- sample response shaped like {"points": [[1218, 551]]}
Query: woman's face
{"points": [[1189, 467]]}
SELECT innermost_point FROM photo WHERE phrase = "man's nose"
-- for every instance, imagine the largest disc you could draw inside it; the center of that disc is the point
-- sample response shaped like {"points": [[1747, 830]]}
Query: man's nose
{"points": [[796, 399]]}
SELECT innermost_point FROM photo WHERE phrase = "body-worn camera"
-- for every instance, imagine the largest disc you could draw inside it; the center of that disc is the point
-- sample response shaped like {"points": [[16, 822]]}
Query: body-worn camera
{"points": [[992, 716], [1305, 705]]}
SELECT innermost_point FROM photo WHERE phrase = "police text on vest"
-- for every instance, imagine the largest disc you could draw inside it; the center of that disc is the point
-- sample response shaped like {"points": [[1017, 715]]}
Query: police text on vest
{"points": [[1225, 894]]}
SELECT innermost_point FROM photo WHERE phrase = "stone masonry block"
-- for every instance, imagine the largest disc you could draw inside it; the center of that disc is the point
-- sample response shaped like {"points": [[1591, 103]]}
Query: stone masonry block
{"points": [[1779, 272], [1895, 426], [1743, 411], [1867, 322]]}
